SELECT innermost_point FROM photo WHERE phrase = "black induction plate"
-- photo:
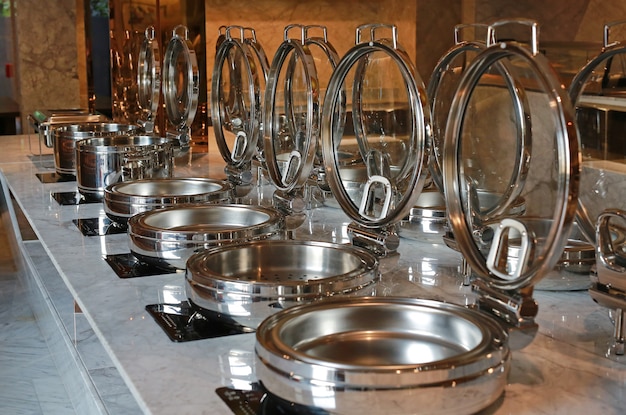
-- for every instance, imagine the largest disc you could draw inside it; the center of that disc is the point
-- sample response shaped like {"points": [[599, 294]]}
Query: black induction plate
{"points": [[71, 198], [184, 322], [128, 266], [100, 226], [54, 177], [257, 401]]}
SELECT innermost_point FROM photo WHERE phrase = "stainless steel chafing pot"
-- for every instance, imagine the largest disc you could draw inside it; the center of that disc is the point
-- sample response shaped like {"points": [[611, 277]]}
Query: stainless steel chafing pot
{"points": [[103, 161], [403, 356], [66, 136], [251, 281], [168, 237], [383, 355], [125, 199], [45, 121]]}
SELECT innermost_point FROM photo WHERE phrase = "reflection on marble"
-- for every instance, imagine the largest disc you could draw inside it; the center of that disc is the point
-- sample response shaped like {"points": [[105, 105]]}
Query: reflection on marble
{"points": [[565, 370]]}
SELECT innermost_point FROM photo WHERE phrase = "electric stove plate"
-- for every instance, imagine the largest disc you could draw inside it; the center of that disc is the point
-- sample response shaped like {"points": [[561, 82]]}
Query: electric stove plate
{"points": [[71, 198], [128, 266], [185, 322], [257, 401], [100, 226], [54, 177]]}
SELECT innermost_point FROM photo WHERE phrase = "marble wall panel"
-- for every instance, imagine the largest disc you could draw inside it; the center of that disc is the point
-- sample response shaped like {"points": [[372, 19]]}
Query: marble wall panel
{"points": [[47, 55], [269, 18]]}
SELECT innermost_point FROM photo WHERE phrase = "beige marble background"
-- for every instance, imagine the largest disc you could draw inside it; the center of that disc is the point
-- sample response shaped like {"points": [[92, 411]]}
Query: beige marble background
{"points": [[49, 64], [50, 46]]}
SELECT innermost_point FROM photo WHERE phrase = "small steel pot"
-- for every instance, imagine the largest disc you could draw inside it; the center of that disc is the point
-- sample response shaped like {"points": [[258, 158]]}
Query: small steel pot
{"points": [[103, 161], [250, 281], [125, 199], [66, 136], [167, 237], [383, 356], [427, 220]]}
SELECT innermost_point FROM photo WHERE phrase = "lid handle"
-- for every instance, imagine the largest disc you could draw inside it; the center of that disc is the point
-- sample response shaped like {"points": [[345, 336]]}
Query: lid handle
{"points": [[372, 27], [607, 256], [184, 29], [498, 253], [461, 27], [149, 32], [241, 30], [534, 32], [239, 148], [295, 26], [316, 26], [293, 164], [607, 32], [368, 197]]}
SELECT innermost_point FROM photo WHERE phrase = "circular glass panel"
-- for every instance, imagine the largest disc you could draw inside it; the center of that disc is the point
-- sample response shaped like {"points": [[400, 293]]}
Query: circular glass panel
{"points": [[235, 102], [180, 82], [374, 133], [510, 132], [599, 93]]}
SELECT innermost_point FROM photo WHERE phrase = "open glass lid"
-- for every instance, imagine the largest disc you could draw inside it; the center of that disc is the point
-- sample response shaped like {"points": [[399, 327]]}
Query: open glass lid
{"points": [[236, 100], [599, 93], [443, 83], [292, 102], [375, 136], [149, 79], [181, 84], [511, 133]]}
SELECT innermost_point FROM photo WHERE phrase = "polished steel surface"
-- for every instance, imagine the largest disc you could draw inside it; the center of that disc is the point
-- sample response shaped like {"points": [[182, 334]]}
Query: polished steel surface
{"points": [[103, 161], [249, 280], [550, 187], [236, 96], [598, 86], [66, 136], [401, 120], [181, 86], [149, 78], [442, 87], [427, 220], [125, 199], [390, 355], [167, 237]]}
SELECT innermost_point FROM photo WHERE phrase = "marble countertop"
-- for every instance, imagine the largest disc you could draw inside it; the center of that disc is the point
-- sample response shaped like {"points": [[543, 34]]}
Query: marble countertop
{"points": [[567, 369]]}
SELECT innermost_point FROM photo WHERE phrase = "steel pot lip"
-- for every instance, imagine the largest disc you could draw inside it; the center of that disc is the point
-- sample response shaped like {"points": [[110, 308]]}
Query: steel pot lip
{"points": [[89, 129], [121, 143], [291, 280], [135, 191], [277, 347], [143, 225]]}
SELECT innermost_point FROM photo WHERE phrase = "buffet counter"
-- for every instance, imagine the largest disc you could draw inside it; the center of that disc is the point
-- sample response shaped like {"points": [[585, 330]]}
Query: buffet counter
{"points": [[127, 363]]}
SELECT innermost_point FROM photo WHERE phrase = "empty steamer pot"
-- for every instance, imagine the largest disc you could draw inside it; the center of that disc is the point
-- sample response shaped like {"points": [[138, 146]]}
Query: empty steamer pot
{"points": [[125, 199], [103, 161], [383, 355], [66, 136], [253, 280], [401, 356], [167, 237]]}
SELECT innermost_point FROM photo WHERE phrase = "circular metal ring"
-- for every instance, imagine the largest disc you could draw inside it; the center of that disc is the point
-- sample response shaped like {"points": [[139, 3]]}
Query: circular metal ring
{"points": [[333, 117], [566, 157], [181, 81]]}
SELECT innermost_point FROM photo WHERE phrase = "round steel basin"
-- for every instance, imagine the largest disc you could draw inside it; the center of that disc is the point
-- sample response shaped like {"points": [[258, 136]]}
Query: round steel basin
{"points": [[168, 237], [252, 280], [125, 199], [103, 161], [383, 355], [66, 136], [427, 220]]}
